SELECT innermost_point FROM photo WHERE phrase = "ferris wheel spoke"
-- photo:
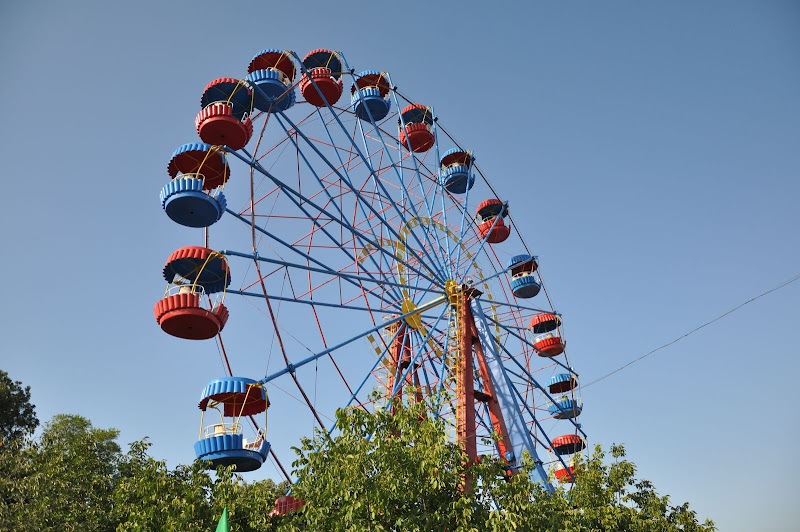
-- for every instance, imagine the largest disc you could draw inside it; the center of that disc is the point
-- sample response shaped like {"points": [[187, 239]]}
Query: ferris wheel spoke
{"points": [[462, 225], [321, 227], [484, 241], [417, 354], [427, 229], [312, 302], [336, 274], [367, 377], [416, 172], [294, 248], [291, 194], [532, 380], [356, 234], [392, 164], [501, 303], [319, 180], [293, 366], [438, 273], [529, 344], [494, 276], [439, 188]]}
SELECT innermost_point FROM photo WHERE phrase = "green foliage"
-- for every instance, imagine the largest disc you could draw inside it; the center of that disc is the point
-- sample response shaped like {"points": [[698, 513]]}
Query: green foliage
{"points": [[387, 472], [400, 472], [149, 496], [63, 481], [606, 496], [17, 414], [381, 471], [75, 477]]}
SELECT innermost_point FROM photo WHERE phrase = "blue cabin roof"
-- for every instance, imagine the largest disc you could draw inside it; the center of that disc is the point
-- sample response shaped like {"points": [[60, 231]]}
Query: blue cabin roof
{"points": [[560, 377], [237, 394], [517, 260], [368, 73], [456, 156], [451, 151], [229, 385]]}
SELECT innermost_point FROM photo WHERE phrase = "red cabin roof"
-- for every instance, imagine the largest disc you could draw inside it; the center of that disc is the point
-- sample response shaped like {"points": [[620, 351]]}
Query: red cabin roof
{"points": [[281, 61], [544, 322]]}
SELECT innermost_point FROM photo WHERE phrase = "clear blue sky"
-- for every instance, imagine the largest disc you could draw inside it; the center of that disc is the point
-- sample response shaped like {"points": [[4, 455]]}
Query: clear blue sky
{"points": [[651, 149]]}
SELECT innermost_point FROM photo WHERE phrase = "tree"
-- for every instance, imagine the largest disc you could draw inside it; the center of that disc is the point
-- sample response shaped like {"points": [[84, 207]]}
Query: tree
{"points": [[387, 471], [399, 471], [64, 481], [75, 477], [17, 414], [606, 496], [381, 471], [150, 496]]}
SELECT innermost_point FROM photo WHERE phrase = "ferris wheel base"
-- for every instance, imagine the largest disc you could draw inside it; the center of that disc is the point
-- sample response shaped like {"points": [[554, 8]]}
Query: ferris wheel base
{"points": [[229, 450]]}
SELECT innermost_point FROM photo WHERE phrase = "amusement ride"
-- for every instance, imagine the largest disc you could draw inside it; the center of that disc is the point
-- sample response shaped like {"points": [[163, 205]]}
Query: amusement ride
{"points": [[380, 257]]}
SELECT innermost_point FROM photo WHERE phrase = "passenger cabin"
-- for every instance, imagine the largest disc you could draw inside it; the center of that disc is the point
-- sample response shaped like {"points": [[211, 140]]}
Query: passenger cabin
{"points": [[321, 85], [223, 443], [489, 217], [271, 75], [369, 96], [523, 283], [455, 171], [194, 196], [415, 128]]}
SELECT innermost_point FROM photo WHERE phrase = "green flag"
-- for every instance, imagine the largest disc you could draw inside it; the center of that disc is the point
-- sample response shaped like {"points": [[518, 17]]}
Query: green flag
{"points": [[222, 526]]}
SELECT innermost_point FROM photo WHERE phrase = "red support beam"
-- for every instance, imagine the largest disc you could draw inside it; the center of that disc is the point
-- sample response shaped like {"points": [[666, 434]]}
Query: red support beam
{"points": [[496, 414], [465, 384]]}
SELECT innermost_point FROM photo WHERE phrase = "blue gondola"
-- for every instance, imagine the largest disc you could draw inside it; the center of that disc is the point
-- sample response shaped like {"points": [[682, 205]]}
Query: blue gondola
{"points": [[192, 197], [271, 75], [523, 283], [185, 202], [562, 382], [455, 171], [223, 443], [565, 408], [369, 95]]}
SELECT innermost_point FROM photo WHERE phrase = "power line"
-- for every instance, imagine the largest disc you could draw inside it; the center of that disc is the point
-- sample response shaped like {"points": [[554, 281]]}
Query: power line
{"points": [[731, 311]]}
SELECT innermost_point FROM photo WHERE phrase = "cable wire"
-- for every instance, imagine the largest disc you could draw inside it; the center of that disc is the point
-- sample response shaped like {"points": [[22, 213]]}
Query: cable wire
{"points": [[731, 311]]}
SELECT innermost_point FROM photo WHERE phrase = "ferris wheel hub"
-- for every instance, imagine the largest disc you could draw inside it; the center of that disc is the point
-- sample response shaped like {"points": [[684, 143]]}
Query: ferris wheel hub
{"points": [[414, 320]]}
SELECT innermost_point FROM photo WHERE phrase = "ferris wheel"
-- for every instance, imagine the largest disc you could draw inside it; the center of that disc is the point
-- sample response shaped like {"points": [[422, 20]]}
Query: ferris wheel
{"points": [[376, 253]]}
